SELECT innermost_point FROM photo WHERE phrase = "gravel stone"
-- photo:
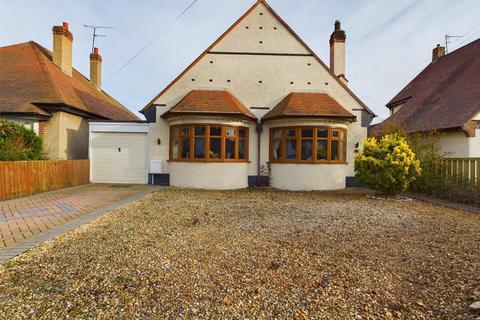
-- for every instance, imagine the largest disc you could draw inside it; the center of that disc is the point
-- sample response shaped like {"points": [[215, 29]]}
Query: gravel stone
{"points": [[253, 254]]}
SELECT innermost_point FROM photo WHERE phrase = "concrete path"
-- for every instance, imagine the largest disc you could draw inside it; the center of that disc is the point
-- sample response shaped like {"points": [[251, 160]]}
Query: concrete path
{"points": [[26, 222]]}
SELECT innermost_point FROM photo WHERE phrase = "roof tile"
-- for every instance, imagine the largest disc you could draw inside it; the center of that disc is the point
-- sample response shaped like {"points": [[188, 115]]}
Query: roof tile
{"points": [[308, 104]]}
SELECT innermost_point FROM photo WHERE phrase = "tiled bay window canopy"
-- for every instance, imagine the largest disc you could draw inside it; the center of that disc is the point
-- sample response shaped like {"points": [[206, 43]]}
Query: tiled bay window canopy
{"points": [[210, 102], [308, 105]]}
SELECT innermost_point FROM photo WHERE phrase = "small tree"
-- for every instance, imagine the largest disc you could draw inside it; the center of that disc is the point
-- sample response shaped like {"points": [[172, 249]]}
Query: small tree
{"points": [[387, 165], [19, 143]]}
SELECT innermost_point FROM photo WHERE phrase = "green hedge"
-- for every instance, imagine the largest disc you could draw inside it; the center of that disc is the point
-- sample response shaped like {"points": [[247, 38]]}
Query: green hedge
{"points": [[19, 143]]}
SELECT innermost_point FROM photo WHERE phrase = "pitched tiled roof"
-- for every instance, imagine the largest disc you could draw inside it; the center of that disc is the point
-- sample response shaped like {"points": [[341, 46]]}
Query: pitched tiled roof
{"points": [[210, 102], [445, 95], [29, 79], [308, 104]]}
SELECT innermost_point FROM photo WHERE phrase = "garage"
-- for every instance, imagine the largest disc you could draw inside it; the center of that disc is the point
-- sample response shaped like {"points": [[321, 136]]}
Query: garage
{"points": [[118, 153]]}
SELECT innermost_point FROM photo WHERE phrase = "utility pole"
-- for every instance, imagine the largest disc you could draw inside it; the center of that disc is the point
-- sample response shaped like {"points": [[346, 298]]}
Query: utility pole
{"points": [[95, 34], [447, 41]]}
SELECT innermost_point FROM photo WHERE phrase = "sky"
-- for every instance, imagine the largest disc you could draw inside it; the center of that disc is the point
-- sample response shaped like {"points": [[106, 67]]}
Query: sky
{"points": [[388, 42]]}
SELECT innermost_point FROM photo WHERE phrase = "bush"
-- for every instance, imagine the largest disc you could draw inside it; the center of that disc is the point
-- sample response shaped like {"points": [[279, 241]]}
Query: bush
{"points": [[19, 143], [434, 180], [387, 164]]}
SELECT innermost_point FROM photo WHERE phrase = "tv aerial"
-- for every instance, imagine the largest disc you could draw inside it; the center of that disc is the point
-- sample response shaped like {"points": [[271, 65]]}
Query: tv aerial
{"points": [[95, 34]]}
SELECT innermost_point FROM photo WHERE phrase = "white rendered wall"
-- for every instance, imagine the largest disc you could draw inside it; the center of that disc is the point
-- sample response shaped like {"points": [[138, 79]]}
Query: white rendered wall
{"points": [[308, 176], [205, 175], [457, 145]]}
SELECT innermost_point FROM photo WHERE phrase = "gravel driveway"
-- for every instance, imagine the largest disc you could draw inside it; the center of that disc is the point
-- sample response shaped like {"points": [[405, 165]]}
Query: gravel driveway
{"points": [[254, 254]]}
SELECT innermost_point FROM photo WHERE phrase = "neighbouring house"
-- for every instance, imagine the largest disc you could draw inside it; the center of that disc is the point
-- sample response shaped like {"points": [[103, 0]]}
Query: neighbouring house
{"points": [[445, 99], [42, 90], [257, 104]]}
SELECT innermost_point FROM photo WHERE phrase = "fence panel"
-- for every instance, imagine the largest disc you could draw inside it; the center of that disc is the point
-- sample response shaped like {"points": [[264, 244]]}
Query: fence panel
{"points": [[24, 178], [468, 168]]}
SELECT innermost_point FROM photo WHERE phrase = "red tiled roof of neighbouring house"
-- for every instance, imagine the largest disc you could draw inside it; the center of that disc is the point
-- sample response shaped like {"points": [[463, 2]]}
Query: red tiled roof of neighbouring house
{"points": [[29, 79], [445, 95], [308, 104], [214, 102]]}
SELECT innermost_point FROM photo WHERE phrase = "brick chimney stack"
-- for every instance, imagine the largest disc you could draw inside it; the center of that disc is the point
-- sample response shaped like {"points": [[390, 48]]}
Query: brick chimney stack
{"points": [[438, 52], [96, 69], [337, 52], [62, 48]]}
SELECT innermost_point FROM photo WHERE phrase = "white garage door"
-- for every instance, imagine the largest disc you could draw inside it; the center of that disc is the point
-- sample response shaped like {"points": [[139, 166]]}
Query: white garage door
{"points": [[119, 157]]}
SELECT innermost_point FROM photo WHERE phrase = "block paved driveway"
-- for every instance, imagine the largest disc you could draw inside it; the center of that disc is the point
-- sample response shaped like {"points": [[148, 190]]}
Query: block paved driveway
{"points": [[26, 217]]}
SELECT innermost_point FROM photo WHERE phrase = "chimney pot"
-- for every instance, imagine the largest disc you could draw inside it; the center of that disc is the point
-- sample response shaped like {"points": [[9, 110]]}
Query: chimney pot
{"points": [[95, 50], [337, 25], [65, 25]]}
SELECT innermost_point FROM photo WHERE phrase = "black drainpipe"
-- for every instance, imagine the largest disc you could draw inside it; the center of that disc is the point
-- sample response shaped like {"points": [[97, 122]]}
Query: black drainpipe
{"points": [[259, 134]]}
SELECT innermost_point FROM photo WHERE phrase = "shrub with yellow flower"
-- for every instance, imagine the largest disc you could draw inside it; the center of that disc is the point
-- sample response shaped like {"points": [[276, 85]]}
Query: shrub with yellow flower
{"points": [[387, 164]]}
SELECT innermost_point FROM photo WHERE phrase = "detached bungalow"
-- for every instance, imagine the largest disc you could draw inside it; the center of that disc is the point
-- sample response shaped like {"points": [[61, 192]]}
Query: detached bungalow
{"points": [[41, 90], [443, 98], [257, 103]]}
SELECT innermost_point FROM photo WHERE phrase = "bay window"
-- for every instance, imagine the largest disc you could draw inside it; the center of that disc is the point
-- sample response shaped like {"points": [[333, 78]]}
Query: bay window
{"points": [[209, 142], [308, 145]]}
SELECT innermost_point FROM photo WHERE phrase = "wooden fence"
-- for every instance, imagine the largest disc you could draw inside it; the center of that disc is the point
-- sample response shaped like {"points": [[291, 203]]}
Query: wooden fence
{"points": [[468, 168], [24, 178]]}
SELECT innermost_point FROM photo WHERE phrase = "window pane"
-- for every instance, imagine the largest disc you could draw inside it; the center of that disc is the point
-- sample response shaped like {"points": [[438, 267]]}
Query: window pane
{"points": [[230, 132], [242, 133], [341, 135], [276, 153], [322, 133], [185, 146], [291, 133], [242, 149], [230, 148], [199, 131], [215, 148], [291, 149], [175, 142], [277, 134], [334, 150], [199, 148], [307, 149], [341, 150], [307, 133], [335, 133], [215, 131], [322, 146]]}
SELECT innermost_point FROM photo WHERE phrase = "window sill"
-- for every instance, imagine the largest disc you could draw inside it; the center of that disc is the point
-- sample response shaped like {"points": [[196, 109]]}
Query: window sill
{"points": [[211, 161], [307, 162]]}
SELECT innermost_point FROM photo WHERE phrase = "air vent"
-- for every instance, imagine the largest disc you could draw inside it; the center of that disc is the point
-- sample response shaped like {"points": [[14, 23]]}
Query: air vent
{"points": [[193, 79], [211, 80], [229, 81]]}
